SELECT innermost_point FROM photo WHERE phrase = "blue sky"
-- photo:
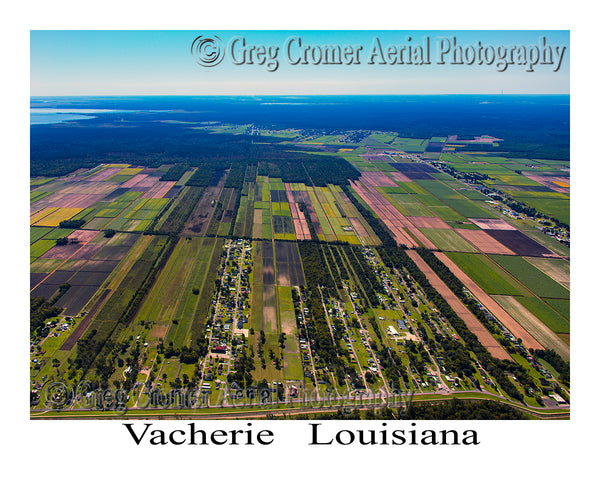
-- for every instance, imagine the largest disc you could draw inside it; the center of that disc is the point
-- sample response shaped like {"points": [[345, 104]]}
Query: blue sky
{"points": [[160, 63]]}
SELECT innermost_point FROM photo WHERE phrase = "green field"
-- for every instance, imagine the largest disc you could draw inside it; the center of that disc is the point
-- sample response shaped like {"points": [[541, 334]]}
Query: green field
{"points": [[558, 208], [410, 145], [35, 233], [550, 317], [40, 247], [539, 283], [486, 274], [447, 240]]}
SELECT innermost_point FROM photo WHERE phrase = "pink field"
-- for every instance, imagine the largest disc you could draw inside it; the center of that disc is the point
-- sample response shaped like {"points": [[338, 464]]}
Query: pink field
{"points": [[147, 181], [134, 180], [88, 188], [104, 174], [377, 179], [394, 220], [158, 190], [62, 199], [62, 251], [359, 228], [305, 197], [428, 222], [83, 236], [492, 224], [484, 242], [300, 224]]}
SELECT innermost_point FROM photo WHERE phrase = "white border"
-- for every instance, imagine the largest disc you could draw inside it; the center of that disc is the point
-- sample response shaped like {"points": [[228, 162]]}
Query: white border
{"points": [[54, 449]]}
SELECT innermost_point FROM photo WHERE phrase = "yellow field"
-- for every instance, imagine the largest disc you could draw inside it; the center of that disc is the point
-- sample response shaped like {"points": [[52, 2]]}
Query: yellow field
{"points": [[117, 165], [130, 171], [57, 216], [328, 210], [561, 184], [41, 214]]}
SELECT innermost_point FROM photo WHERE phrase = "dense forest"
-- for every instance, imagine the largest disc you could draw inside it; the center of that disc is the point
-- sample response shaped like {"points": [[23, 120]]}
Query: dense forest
{"points": [[59, 150], [158, 130]]}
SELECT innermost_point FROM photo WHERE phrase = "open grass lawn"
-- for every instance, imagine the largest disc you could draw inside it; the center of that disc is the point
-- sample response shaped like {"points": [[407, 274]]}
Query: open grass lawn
{"points": [[292, 366]]}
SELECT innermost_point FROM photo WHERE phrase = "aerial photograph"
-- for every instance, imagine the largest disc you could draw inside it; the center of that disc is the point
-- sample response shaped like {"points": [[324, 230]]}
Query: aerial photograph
{"points": [[299, 225]]}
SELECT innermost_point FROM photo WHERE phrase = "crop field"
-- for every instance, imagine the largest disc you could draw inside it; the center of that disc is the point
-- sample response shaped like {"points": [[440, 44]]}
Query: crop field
{"points": [[486, 274], [165, 302], [483, 242], [535, 183], [448, 240], [546, 314], [555, 268], [556, 207], [223, 281], [410, 145], [519, 243], [537, 281], [533, 324]]}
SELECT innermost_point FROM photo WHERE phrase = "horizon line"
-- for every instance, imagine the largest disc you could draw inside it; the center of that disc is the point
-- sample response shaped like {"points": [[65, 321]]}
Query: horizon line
{"points": [[309, 95]]}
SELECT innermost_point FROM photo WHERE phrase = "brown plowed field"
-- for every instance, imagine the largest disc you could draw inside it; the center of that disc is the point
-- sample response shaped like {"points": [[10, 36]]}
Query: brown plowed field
{"points": [[470, 320], [484, 242], [198, 221], [509, 322], [428, 222]]}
